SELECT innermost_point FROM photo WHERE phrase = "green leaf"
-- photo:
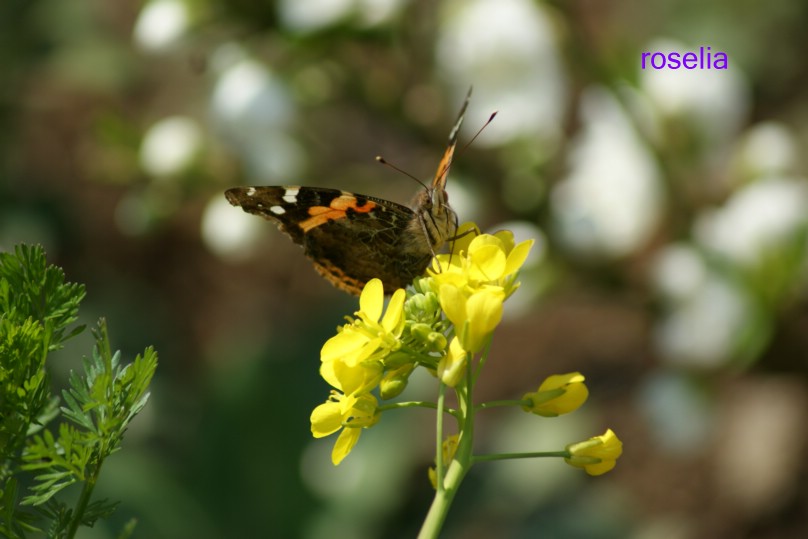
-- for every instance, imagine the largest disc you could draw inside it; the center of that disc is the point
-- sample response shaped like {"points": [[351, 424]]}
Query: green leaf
{"points": [[98, 509], [14, 522], [29, 287]]}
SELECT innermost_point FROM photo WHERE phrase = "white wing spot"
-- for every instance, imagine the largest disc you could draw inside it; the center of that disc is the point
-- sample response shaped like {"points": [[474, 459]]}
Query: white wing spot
{"points": [[250, 191], [290, 195], [277, 210]]}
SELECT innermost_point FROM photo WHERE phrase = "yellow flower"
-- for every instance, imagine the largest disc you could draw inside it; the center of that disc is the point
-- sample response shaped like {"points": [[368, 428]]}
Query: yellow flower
{"points": [[350, 406], [351, 363], [449, 448], [452, 367], [596, 455], [558, 394], [351, 413], [474, 281], [352, 379], [484, 260], [370, 337], [474, 315]]}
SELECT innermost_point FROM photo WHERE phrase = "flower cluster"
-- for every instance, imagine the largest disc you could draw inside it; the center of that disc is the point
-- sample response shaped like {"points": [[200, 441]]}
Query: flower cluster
{"points": [[472, 287], [442, 323], [352, 363]]}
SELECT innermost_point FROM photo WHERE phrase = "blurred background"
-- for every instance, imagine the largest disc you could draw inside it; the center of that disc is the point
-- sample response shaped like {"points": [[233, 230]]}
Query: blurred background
{"points": [[669, 208]]}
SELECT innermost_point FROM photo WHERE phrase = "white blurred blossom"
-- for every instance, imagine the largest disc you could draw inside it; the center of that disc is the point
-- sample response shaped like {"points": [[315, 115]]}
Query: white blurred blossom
{"points": [[229, 232], [768, 147], [251, 110], [756, 219], [704, 314], [306, 16], [702, 330], [161, 24], [609, 203], [678, 413], [678, 272], [170, 147], [506, 50]]}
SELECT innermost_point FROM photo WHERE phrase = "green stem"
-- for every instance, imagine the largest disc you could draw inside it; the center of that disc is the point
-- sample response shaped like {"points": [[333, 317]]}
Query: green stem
{"points": [[483, 357], [418, 404], [463, 459], [84, 501], [495, 404], [439, 437], [532, 455]]}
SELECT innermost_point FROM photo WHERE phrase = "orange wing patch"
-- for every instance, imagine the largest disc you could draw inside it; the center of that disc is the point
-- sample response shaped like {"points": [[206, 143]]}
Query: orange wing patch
{"points": [[337, 209]]}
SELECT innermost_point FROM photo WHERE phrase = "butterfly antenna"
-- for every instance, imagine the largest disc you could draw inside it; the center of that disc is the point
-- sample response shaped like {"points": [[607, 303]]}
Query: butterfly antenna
{"points": [[385, 162], [477, 134]]}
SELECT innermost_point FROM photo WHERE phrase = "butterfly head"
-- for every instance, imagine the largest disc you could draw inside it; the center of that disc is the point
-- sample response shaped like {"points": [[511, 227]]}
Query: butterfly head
{"points": [[435, 219]]}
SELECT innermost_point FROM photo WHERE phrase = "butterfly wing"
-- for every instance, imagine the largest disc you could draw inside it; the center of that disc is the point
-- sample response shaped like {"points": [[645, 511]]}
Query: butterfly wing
{"points": [[349, 238]]}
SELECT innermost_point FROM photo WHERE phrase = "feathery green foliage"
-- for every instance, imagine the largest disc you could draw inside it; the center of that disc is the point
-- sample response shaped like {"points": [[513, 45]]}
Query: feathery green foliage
{"points": [[37, 307]]}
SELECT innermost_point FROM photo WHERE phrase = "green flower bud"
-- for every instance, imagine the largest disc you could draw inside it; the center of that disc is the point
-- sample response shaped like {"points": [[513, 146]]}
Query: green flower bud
{"points": [[398, 359], [436, 341], [394, 382], [421, 331]]}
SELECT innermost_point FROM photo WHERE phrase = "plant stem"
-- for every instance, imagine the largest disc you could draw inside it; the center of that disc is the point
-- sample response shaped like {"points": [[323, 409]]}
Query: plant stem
{"points": [[84, 501], [512, 456], [447, 486], [495, 404]]}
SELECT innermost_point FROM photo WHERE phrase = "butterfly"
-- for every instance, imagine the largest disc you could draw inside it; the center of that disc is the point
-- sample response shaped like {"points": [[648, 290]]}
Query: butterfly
{"points": [[352, 238]]}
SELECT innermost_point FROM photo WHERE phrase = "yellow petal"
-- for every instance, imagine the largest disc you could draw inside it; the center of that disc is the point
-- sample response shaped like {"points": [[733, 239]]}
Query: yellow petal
{"points": [[393, 321], [357, 378], [517, 257], [326, 419], [600, 468], [465, 235], [371, 301], [345, 442], [560, 380], [487, 262], [506, 237], [453, 303], [612, 447], [452, 368], [328, 374], [558, 394], [346, 342], [571, 400], [483, 240], [455, 276], [484, 312], [364, 411]]}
